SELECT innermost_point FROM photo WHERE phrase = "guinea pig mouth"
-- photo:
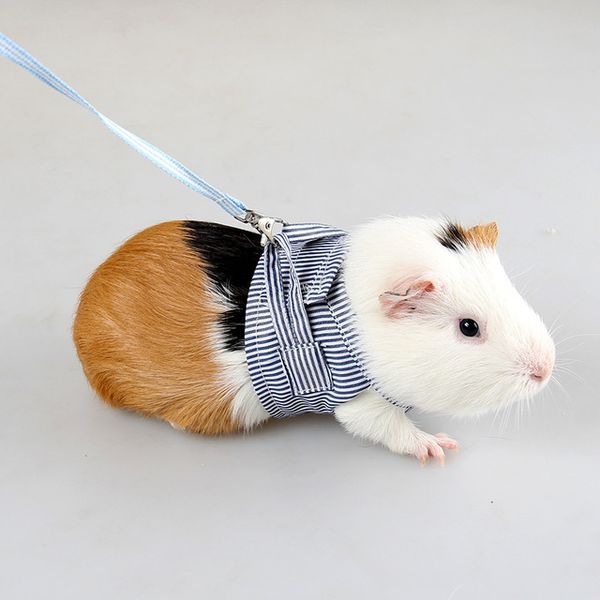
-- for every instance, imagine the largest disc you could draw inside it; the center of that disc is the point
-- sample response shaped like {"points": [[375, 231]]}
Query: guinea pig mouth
{"points": [[533, 383]]}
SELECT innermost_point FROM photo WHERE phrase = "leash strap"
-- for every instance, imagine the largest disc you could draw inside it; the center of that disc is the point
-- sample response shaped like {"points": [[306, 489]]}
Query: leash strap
{"points": [[167, 163]]}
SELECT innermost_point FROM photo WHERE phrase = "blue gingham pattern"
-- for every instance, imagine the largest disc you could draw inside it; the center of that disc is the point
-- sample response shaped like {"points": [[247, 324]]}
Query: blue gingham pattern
{"points": [[22, 58], [301, 340]]}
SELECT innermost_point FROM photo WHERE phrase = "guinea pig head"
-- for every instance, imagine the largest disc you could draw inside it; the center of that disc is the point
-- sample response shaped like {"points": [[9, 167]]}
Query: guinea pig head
{"points": [[441, 325]]}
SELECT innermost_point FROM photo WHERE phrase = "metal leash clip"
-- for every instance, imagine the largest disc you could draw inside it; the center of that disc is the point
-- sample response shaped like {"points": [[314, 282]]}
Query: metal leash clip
{"points": [[264, 225]]}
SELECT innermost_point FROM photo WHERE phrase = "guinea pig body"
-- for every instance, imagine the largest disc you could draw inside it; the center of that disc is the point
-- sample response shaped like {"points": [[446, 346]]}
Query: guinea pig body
{"points": [[438, 326], [160, 327]]}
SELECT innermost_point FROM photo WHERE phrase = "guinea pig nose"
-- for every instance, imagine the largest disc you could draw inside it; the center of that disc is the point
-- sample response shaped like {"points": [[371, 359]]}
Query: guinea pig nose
{"points": [[541, 371]]}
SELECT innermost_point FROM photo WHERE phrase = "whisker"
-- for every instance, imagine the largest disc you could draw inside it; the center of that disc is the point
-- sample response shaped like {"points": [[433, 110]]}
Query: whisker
{"points": [[524, 272], [576, 336], [562, 388], [564, 369], [555, 327], [562, 360]]}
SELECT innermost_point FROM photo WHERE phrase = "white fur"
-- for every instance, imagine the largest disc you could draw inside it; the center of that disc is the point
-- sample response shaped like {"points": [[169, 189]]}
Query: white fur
{"points": [[372, 418], [246, 407], [421, 358]]}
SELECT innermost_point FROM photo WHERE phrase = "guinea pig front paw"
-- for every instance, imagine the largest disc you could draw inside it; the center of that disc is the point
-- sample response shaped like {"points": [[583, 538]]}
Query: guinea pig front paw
{"points": [[427, 445]]}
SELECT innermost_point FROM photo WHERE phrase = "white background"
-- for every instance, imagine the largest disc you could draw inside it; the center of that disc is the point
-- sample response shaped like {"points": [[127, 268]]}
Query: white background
{"points": [[331, 111]]}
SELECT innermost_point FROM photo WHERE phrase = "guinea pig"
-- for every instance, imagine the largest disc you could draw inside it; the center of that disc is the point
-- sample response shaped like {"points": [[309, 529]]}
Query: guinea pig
{"points": [[179, 323]]}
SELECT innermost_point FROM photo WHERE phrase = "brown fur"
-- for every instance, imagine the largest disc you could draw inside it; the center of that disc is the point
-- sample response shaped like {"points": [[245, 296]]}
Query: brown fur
{"points": [[145, 333], [482, 236]]}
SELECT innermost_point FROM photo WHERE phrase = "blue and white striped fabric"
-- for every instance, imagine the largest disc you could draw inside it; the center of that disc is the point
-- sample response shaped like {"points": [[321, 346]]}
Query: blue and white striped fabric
{"points": [[301, 339]]}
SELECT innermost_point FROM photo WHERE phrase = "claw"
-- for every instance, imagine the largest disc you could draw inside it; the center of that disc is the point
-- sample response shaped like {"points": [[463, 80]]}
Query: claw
{"points": [[446, 442], [429, 449], [422, 455]]}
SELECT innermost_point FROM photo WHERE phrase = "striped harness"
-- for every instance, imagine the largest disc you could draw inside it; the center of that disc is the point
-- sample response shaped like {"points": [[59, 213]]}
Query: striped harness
{"points": [[300, 337]]}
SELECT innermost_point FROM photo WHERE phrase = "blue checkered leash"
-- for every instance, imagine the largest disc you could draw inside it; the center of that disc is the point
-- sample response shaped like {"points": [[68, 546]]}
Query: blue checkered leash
{"points": [[168, 164]]}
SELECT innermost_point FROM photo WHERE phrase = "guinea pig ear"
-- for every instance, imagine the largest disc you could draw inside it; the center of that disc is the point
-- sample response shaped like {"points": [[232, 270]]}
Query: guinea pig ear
{"points": [[483, 235], [405, 296]]}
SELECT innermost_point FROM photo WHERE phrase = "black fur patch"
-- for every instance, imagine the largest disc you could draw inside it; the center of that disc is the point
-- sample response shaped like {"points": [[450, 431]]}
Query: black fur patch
{"points": [[231, 255], [453, 237]]}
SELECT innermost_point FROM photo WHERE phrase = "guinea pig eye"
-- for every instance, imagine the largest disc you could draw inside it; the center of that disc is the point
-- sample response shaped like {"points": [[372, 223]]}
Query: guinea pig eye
{"points": [[469, 327]]}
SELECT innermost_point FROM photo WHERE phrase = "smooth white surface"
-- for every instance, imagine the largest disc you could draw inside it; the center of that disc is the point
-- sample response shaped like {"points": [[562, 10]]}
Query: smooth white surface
{"points": [[334, 111]]}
